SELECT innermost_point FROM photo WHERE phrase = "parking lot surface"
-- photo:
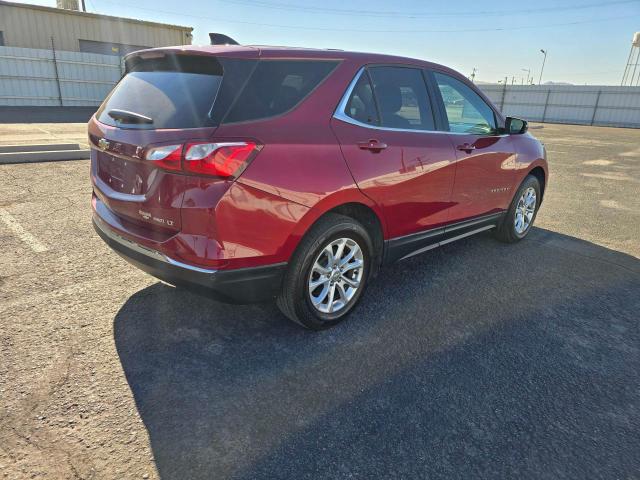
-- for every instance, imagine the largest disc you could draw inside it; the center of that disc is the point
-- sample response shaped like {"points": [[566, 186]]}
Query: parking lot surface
{"points": [[475, 360], [43, 133]]}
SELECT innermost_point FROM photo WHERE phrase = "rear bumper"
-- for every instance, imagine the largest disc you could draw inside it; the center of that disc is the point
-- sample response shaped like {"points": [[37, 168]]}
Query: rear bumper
{"points": [[244, 285]]}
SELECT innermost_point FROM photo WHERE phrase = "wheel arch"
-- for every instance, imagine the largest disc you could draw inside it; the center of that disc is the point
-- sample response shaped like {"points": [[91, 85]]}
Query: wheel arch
{"points": [[368, 218], [541, 175], [354, 205]]}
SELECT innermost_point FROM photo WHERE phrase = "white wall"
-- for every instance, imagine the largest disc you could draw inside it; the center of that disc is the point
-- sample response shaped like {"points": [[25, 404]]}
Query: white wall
{"points": [[28, 77], [587, 105]]}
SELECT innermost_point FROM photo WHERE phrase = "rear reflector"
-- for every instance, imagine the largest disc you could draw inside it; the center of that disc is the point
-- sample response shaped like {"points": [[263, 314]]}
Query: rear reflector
{"points": [[224, 159]]}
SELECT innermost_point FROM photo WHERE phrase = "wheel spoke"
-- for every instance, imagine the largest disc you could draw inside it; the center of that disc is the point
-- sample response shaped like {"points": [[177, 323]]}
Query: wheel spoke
{"points": [[352, 265], [340, 251], [313, 284], [328, 251], [317, 300], [518, 224], [342, 292], [332, 292], [350, 282], [349, 256], [319, 269]]}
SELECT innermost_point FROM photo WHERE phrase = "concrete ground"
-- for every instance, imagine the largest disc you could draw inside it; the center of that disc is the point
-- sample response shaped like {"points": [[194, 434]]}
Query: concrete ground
{"points": [[475, 360], [43, 133]]}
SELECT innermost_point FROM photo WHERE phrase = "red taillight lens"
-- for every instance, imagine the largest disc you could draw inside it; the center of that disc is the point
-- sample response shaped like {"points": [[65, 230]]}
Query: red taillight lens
{"points": [[218, 159], [168, 157]]}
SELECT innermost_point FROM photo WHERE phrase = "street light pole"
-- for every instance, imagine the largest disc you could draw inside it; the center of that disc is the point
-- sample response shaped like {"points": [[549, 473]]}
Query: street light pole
{"points": [[543, 62], [528, 70]]}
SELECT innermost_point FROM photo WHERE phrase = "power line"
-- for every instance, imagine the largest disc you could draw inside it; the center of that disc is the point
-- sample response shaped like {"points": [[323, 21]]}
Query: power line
{"points": [[328, 29], [381, 13]]}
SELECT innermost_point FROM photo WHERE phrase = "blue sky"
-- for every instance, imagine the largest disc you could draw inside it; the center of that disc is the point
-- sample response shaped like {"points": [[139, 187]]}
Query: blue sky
{"points": [[588, 40]]}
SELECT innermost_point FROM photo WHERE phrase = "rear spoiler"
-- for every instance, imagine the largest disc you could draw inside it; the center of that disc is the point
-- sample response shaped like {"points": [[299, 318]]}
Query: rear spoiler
{"points": [[221, 39]]}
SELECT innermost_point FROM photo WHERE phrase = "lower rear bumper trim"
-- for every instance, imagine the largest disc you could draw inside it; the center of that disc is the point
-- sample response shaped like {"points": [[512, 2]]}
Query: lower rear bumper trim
{"points": [[244, 285]]}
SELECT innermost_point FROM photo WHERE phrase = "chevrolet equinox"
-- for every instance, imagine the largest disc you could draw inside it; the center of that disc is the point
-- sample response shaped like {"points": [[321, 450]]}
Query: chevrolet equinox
{"points": [[257, 173]]}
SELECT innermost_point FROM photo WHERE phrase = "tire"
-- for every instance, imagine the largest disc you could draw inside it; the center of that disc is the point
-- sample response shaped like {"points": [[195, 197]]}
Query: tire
{"points": [[511, 230], [330, 233]]}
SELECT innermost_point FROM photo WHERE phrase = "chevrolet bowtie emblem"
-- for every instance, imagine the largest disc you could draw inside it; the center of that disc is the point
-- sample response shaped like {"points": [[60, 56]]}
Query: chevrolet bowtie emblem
{"points": [[103, 144]]}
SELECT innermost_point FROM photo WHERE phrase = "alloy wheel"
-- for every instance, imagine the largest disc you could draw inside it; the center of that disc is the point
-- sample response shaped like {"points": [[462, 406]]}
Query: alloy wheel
{"points": [[525, 210], [336, 275]]}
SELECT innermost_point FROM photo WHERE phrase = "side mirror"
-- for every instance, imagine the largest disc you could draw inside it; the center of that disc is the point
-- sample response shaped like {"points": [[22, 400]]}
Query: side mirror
{"points": [[515, 126]]}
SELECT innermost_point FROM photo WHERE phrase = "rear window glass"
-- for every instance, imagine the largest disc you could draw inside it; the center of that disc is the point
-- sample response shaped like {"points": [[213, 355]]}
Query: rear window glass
{"points": [[362, 106], [174, 91], [277, 86]]}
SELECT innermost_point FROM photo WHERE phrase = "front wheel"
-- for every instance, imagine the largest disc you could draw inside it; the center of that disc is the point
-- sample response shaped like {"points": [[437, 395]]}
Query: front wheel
{"points": [[522, 212], [327, 274]]}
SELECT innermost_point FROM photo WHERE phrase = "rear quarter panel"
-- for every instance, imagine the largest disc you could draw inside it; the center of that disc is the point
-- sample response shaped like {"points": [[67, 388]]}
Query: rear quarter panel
{"points": [[298, 176]]}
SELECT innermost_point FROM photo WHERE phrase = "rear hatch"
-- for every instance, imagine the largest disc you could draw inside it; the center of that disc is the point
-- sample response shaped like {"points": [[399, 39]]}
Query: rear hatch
{"points": [[156, 145], [162, 100]]}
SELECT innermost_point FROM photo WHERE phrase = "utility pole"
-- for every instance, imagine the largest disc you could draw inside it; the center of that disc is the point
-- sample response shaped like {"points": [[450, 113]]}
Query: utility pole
{"points": [[543, 62]]}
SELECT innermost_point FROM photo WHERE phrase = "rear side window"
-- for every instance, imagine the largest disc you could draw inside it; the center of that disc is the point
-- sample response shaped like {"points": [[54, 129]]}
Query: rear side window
{"points": [[173, 91], [402, 98], [466, 111], [361, 105], [277, 86]]}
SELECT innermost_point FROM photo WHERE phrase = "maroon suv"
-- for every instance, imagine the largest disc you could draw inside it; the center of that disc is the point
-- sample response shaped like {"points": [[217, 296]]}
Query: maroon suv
{"points": [[254, 173]]}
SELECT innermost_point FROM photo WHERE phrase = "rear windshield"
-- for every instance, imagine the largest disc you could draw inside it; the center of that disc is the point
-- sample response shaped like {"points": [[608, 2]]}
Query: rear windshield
{"points": [[192, 91], [172, 91]]}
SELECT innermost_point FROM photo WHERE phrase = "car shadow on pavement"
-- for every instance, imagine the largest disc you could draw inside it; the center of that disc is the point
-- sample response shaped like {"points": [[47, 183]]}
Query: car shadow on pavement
{"points": [[478, 359]]}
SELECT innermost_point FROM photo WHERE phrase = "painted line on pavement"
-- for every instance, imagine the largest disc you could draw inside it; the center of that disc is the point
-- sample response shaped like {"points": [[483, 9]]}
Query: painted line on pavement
{"points": [[21, 233]]}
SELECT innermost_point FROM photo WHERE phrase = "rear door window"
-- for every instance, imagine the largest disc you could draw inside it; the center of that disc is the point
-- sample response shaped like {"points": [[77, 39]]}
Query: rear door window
{"points": [[361, 105], [466, 111], [402, 98], [174, 91], [277, 86]]}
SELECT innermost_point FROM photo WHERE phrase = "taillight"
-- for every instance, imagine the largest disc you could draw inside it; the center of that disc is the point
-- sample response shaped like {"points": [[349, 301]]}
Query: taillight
{"points": [[168, 157], [218, 159], [224, 159]]}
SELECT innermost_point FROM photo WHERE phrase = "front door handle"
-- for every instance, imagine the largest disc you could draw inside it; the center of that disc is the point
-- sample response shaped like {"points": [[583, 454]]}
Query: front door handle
{"points": [[372, 145], [465, 147]]}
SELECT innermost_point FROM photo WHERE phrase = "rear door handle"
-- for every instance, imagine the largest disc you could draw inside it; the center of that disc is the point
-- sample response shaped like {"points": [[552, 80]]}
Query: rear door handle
{"points": [[372, 145], [465, 147]]}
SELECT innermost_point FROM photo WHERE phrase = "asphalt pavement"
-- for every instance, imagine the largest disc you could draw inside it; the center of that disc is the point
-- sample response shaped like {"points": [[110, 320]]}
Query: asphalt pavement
{"points": [[475, 360]]}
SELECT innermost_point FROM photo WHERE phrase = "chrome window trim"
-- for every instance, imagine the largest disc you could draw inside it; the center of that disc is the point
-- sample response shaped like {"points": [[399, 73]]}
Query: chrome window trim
{"points": [[340, 114]]}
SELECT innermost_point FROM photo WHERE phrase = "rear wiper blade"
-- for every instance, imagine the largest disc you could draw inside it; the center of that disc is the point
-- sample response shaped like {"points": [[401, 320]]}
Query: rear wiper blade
{"points": [[129, 117]]}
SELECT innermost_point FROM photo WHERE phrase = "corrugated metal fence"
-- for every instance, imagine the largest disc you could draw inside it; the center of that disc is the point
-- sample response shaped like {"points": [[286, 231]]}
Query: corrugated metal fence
{"points": [[34, 77], [586, 105]]}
